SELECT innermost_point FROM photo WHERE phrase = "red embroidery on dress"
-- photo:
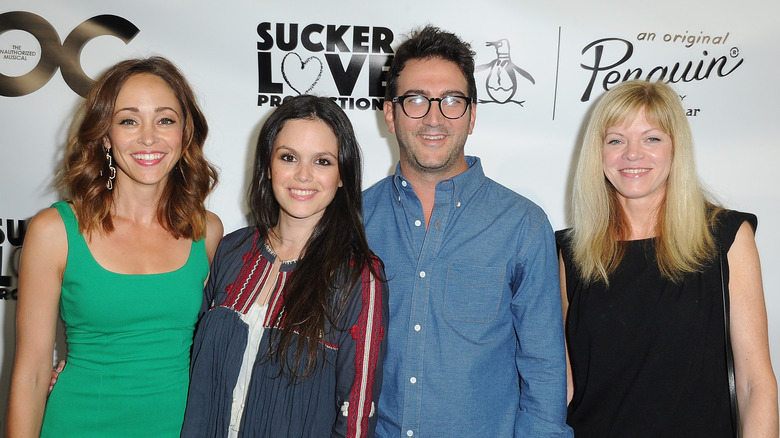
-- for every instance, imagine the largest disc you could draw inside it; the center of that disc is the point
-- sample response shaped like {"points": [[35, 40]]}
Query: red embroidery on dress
{"points": [[368, 335], [241, 294]]}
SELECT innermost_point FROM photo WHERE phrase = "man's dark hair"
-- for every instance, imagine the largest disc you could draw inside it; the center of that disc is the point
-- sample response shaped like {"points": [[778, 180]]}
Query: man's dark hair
{"points": [[432, 42]]}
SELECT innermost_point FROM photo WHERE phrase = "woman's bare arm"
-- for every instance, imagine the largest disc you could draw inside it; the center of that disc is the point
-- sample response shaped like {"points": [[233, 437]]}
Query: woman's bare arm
{"points": [[43, 258], [756, 383]]}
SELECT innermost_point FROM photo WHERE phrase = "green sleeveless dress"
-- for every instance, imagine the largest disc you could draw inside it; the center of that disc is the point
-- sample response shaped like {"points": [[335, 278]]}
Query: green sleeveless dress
{"points": [[129, 339]]}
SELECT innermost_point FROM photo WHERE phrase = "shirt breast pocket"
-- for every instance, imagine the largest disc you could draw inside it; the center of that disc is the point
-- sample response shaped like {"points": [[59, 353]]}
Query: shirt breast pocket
{"points": [[473, 294]]}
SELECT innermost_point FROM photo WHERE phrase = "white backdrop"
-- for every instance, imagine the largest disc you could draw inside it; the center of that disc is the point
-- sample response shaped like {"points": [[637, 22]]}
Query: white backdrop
{"points": [[243, 56]]}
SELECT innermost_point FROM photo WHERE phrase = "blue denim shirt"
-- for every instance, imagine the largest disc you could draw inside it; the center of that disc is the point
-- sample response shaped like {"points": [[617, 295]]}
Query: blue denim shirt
{"points": [[475, 342]]}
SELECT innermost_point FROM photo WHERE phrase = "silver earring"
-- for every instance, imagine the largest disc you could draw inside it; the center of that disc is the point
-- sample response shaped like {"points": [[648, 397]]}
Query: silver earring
{"points": [[111, 171]]}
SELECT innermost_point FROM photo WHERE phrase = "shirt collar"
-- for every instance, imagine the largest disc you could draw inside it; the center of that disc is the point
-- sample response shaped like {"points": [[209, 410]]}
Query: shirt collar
{"points": [[463, 184]]}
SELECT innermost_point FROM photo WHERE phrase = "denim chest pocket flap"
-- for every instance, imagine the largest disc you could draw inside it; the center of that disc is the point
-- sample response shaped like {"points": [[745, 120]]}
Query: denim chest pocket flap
{"points": [[473, 294]]}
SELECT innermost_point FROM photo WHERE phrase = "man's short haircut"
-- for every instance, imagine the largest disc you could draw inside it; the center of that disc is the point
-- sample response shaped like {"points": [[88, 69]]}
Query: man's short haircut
{"points": [[432, 42]]}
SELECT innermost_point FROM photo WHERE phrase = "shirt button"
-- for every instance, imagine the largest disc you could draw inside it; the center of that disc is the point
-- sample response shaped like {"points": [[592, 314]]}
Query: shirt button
{"points": [[403, 183], [422, 274], [413, 380], [409, 433], [417, 327], [417, 223], [458, 204]]}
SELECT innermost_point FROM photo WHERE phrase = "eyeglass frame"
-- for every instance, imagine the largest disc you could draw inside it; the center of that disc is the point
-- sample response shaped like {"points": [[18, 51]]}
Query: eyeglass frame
{"points": [[400, 100]]}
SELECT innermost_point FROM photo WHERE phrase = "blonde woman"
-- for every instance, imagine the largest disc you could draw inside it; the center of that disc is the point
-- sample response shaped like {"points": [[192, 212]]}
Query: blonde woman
{"points": [[641, 283]]}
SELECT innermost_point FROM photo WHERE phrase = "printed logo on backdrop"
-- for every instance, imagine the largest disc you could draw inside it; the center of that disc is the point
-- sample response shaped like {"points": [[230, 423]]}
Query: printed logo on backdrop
{"points": [[11, 238], [705, 57], [349, 63], [503, 76], [40, 61]]}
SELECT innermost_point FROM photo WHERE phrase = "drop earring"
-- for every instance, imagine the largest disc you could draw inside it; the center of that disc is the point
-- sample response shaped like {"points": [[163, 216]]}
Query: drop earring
{"points": [[111, 170]]}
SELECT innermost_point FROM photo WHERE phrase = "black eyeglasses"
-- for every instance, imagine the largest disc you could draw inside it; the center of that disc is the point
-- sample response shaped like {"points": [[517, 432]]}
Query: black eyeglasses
{"points": [[416, 106]]}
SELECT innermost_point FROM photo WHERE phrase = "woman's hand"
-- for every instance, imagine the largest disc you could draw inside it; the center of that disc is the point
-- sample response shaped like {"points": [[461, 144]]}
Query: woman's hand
{"points": [[55, 374]]}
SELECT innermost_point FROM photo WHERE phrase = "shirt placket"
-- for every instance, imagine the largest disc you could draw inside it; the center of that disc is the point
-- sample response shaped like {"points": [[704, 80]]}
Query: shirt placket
{"points": [[426, 244]]}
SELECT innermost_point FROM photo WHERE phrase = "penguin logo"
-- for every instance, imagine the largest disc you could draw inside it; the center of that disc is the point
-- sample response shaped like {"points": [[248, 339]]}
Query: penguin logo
{"points": [[501, 82]]}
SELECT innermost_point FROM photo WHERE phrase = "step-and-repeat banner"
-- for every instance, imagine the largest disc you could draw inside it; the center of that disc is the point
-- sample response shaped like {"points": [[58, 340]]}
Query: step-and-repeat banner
{"points": [[541, 65]]}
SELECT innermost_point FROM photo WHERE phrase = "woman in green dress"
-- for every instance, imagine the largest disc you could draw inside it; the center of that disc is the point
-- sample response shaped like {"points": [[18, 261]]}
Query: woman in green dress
{"points": [[124, 261]]}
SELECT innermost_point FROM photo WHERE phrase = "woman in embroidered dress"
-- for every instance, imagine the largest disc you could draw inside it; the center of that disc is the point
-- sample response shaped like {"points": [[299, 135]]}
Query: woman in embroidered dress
{"points": [[641, 275], [123, 261], [293, 340]]}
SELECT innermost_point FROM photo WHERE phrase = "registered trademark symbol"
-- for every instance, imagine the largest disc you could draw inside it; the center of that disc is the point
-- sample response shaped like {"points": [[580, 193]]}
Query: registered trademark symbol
{"points": [[734, 52]]}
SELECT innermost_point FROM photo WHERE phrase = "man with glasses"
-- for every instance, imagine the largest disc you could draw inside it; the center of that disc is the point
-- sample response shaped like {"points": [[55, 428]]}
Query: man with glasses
{"points": [[475, 342]]}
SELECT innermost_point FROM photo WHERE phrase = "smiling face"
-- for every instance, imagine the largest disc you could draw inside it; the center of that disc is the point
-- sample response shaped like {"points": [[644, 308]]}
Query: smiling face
{"points": [[432, 145], [146, 131], [637, 158], [304, 170]]}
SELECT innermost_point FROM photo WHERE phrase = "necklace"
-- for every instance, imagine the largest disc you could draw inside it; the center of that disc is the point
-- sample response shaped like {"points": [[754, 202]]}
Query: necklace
{"points": [[283, 258]]}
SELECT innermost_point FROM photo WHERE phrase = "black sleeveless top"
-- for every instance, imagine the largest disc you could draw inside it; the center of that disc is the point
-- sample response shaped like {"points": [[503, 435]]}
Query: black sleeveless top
{"points": [[648, 355]]}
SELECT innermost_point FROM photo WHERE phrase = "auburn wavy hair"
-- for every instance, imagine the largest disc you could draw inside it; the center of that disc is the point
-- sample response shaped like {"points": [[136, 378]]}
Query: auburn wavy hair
{"points": [[181, 209]]}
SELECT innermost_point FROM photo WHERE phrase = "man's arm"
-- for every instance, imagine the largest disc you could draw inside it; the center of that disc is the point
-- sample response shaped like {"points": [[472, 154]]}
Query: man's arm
{"points": [[540, 354]]}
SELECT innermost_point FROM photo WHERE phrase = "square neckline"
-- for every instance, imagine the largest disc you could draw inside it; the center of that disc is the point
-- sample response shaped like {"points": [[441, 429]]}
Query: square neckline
{"points": [[93, 260]]}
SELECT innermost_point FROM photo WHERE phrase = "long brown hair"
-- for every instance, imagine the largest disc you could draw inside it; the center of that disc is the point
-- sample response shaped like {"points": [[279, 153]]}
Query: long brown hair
{"points": [[337, 251], [181, 210]]}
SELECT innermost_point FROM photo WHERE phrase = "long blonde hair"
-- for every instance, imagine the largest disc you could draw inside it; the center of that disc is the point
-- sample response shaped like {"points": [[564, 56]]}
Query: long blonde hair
{"points": [[684, 240]]}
